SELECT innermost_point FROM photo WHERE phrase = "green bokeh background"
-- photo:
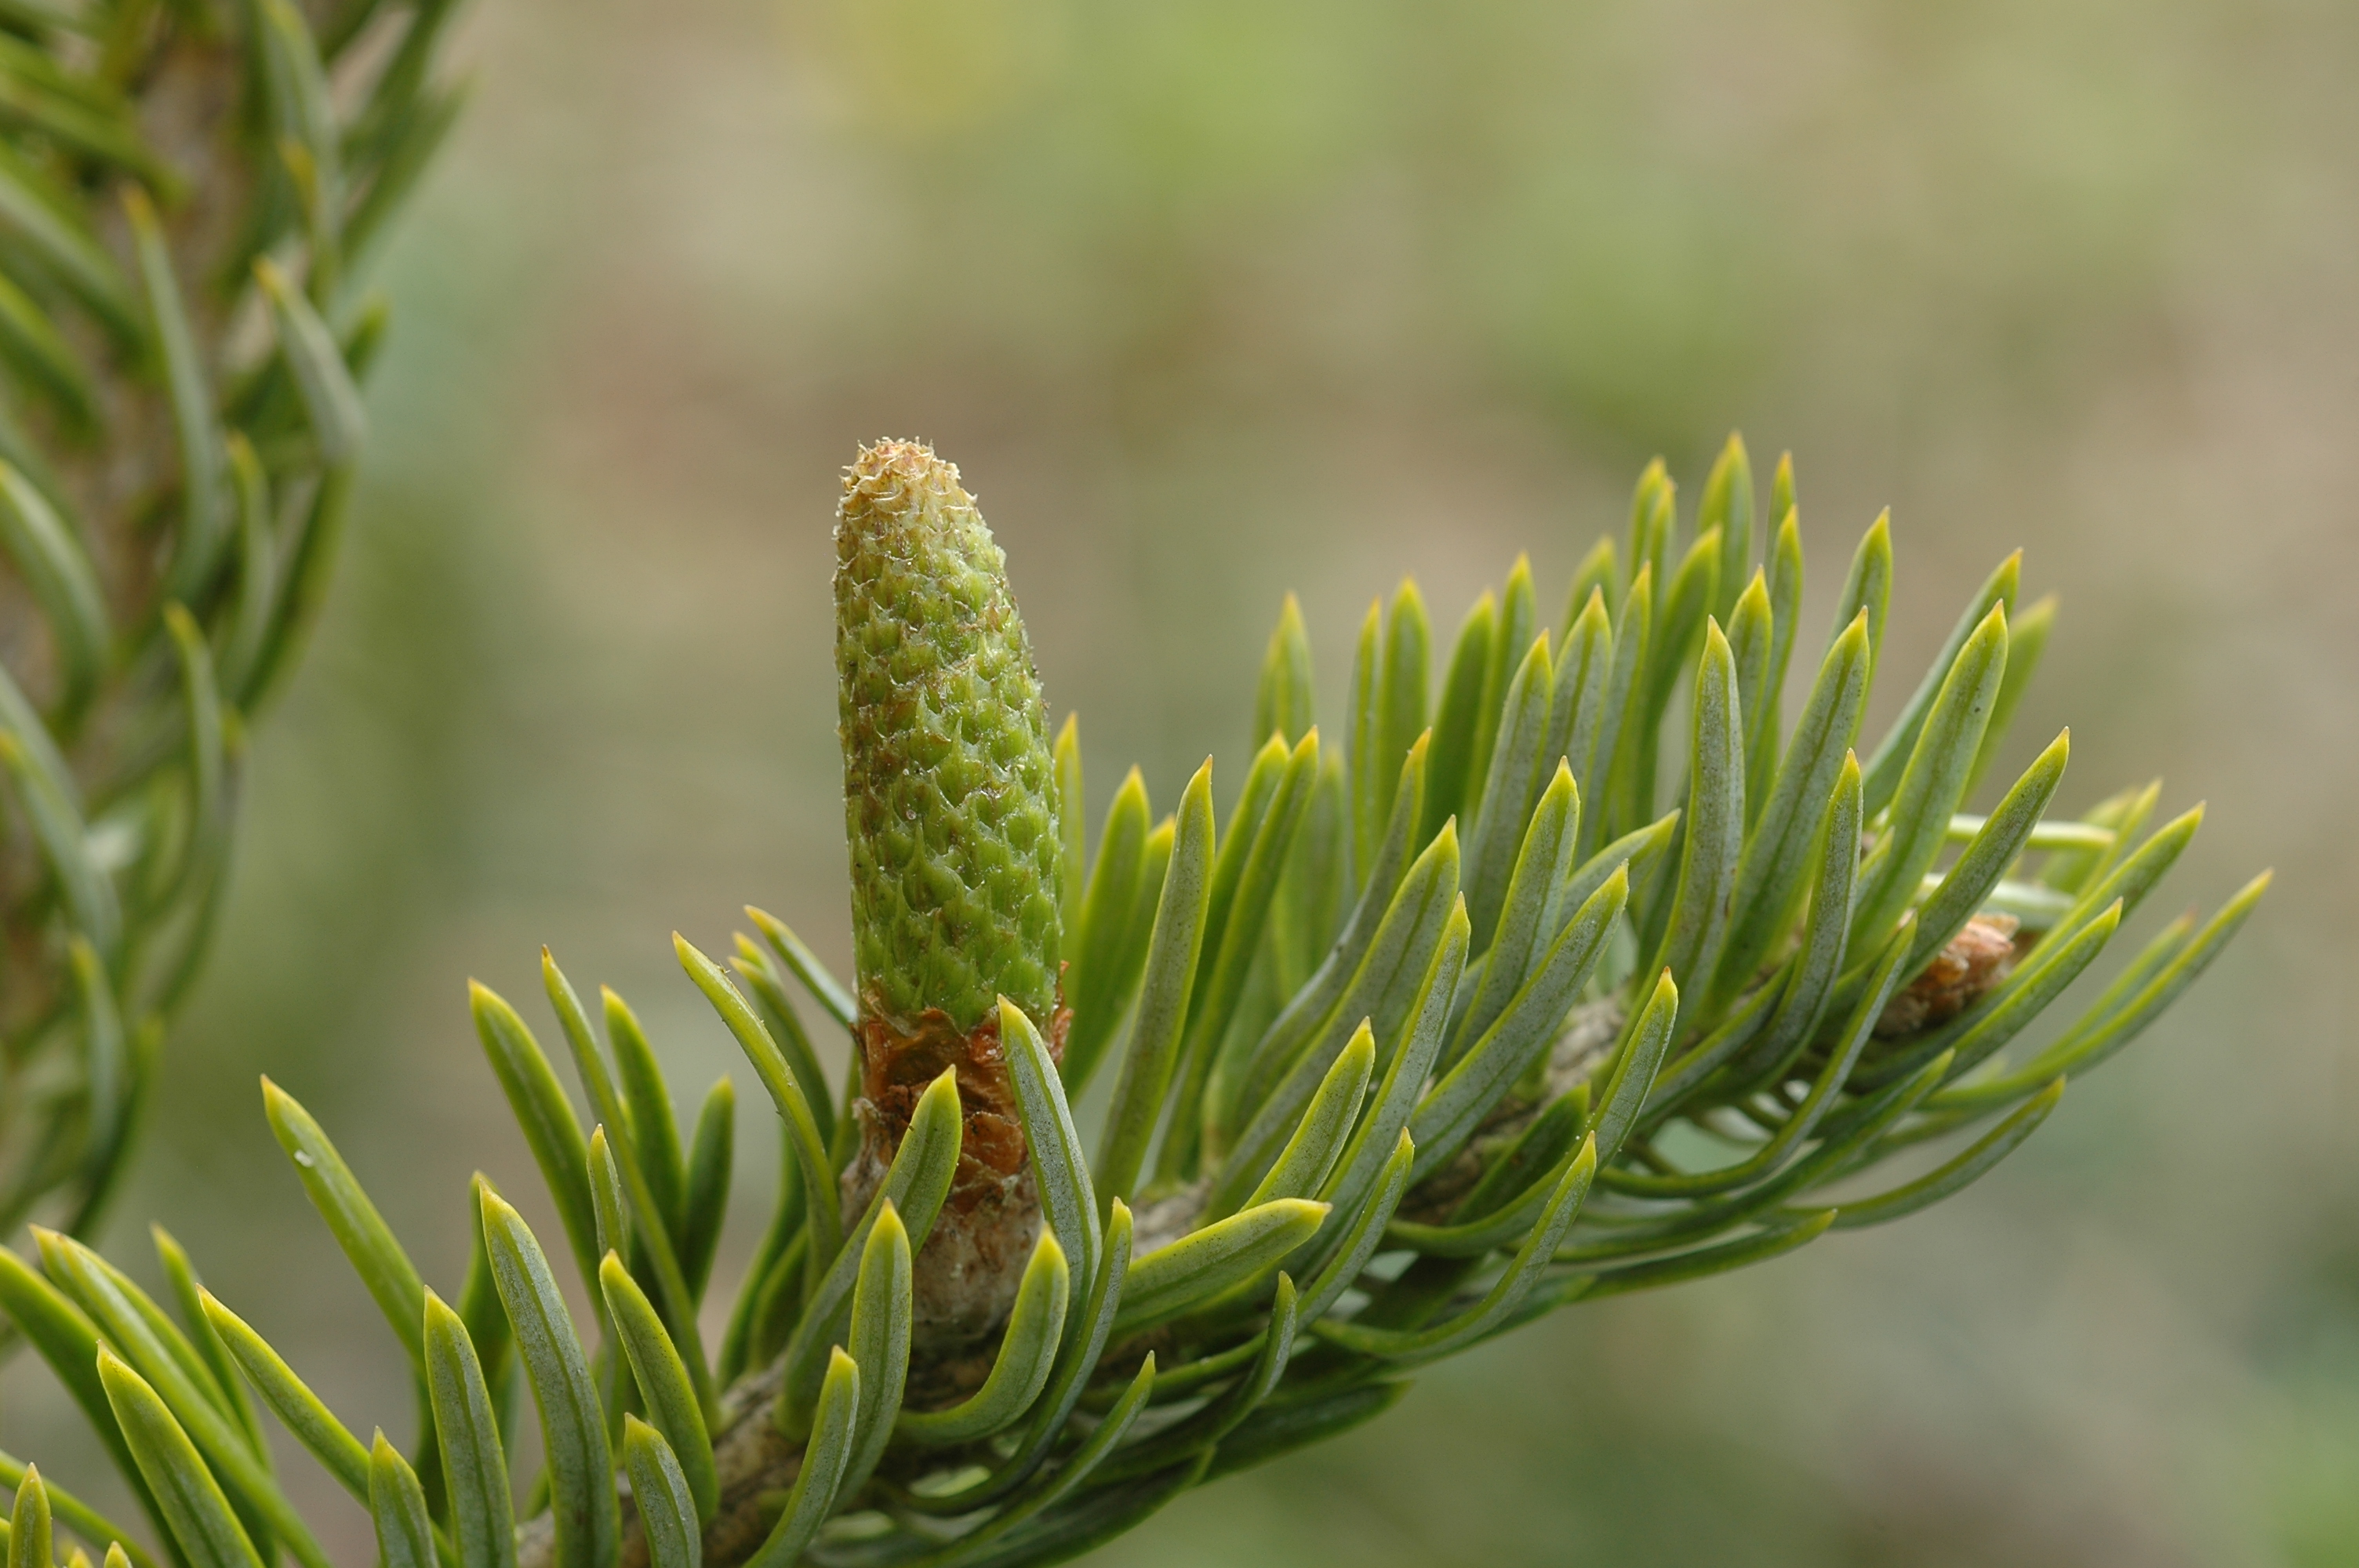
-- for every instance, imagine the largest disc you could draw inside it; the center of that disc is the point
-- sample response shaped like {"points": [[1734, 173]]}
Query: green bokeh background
{"points": [[1213, 300]]}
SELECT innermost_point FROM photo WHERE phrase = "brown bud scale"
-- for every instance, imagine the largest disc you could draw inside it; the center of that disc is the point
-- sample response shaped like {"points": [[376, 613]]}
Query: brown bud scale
{"points": [[968, 1271], [1978, 958]]}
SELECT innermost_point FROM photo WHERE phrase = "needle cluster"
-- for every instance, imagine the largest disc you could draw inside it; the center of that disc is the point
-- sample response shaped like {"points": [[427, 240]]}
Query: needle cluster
{"points": [[1580, 971]]}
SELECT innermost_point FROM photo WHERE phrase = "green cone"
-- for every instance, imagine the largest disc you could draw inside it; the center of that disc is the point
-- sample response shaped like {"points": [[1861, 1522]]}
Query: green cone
{"points": [[949, 792], [949, 799]]}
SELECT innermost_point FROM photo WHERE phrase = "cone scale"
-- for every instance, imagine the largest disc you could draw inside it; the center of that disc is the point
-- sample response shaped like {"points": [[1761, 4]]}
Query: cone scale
{"points": [[951, 810]]}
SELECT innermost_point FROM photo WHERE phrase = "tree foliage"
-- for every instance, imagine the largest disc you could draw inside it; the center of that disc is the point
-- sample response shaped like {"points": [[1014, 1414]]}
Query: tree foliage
{"points": [[1578, 972]]}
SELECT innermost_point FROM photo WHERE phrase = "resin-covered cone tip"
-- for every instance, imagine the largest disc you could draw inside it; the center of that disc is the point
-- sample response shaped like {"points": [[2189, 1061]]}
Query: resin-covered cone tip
{"points": [[949, 793]]}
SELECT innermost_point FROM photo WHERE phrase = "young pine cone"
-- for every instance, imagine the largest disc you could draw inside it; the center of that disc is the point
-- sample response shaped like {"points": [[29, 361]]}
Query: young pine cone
{"points": [[950, 805]]}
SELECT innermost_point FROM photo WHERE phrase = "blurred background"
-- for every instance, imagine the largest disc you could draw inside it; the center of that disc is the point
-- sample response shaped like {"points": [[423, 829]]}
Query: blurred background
{"points": [[1215, 298]]}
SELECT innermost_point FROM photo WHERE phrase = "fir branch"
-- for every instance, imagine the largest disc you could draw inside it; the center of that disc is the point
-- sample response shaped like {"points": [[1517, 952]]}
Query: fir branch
{"points": [[171, 493], [1809, 962]]}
